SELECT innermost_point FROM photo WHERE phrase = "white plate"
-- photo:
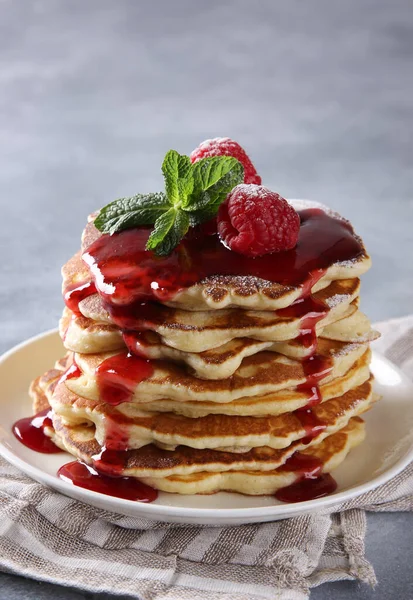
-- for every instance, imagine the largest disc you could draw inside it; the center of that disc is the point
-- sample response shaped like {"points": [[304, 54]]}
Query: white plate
{"points": [[387, 449]]}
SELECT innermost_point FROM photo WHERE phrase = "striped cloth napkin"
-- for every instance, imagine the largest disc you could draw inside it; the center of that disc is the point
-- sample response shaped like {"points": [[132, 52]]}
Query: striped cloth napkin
{"points": [[50, 537]]}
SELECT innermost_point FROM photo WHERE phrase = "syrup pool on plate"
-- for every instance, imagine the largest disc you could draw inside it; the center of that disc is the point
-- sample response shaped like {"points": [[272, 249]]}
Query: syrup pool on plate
{"points": [[128, 488], [311, 482], [30, 432]]}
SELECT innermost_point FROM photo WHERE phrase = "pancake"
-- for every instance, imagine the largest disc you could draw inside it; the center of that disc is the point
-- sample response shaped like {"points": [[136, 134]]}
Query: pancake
{"points": [[353, 328], [218, 292], [115, 426], [39, 398], [42, 388], [200, 331], [277, 403], [331, 452], [80, 334], [84, 336], [263, 373], [152, 461]]}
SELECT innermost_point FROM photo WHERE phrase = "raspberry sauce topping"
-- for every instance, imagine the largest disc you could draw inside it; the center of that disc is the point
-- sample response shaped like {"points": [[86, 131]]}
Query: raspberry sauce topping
{"points": [[125, 273]]}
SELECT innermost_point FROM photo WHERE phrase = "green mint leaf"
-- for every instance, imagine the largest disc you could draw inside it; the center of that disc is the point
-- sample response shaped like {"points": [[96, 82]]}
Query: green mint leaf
{"points": [[124, 213], [193, 195], [214, 178], [178, 174], [169, 230]]}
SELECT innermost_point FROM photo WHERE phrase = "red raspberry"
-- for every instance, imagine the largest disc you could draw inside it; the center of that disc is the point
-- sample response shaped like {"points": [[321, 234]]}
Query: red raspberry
{"points": [[254, 221], [227, 147]]}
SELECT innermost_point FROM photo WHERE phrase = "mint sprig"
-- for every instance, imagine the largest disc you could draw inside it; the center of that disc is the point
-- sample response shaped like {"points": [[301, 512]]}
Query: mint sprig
{"points": [[193, 193]]}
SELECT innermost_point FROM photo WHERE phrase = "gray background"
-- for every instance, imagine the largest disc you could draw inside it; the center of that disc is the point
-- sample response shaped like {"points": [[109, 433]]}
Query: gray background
{"points": [[92, 94]]}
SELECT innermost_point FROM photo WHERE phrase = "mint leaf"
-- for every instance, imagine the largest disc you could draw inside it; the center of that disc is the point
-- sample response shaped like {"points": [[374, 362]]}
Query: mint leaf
{"points": [[193, 195], [169, 230], [178, 174], [124, 213], [214, 178]]}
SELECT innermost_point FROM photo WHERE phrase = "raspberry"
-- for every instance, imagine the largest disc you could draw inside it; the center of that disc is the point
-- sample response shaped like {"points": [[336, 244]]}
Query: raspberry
{"points": [[227, 147], [255, 221]]}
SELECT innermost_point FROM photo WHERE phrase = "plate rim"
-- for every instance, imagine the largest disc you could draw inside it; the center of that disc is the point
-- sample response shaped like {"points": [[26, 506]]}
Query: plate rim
{"points": [[153, 511]]}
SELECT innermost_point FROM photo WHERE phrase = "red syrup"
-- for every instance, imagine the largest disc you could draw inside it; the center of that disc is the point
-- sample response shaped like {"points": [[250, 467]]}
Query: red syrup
{"points": [[135, 342], [117, 431], [77, 292], [311, 423], [310, 311], [118, 376], [87, 477], [311, 483], [308, 489], [30, 432], [73, 372], [127, 276]]}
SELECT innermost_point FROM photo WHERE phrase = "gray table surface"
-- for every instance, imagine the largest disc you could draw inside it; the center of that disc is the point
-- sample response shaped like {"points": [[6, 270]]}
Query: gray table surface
{"points": [[93, 93]]}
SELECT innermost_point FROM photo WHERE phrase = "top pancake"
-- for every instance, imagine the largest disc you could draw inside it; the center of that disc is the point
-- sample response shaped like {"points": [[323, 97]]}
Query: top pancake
{"points": [[223, 291]]}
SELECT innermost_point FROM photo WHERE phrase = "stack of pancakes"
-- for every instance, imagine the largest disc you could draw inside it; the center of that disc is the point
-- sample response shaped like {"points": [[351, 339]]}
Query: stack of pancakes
{"points": [[233, 392]]}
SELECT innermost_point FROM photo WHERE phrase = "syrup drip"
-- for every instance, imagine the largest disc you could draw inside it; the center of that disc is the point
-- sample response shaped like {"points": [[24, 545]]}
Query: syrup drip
{"points": [[307, 489], [305, 466], [315, 367], [310, 484], [311, 423], [30, 432], [71, 373], [88, 478], [118, 376], [117, 434], [111, 462], [77, 292], [310, 310], [135, 341]]}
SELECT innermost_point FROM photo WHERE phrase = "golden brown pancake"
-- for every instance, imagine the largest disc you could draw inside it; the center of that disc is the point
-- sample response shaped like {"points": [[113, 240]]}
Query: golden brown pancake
{"points": [[203, 330], [263, 373], [220, 411], [113, 425], [331, 452], [152, 461], [85, 336], [267, 405]]}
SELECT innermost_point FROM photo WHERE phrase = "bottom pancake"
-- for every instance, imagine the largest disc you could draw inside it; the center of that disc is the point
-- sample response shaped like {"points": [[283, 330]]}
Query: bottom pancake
{"points": [[325, 456], [153, 461], [330, 453]]}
